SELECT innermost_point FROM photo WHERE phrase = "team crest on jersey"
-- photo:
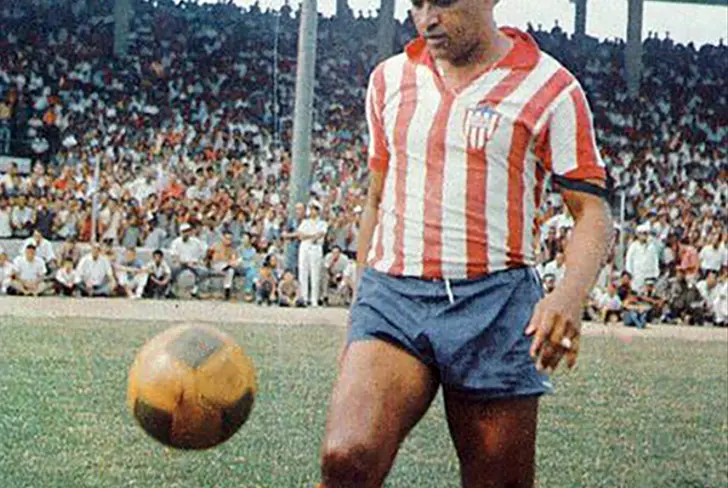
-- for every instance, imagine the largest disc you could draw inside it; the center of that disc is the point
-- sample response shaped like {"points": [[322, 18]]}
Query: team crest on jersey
{"points": [[480, 123]]}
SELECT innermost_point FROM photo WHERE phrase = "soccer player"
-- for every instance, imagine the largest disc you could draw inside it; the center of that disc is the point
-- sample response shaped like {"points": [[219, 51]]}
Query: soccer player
{"points": [[465, 126]]}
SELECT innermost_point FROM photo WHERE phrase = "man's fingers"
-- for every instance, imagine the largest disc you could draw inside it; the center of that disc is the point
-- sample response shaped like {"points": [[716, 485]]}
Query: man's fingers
{"points": [[543, 328], [573, 353], [552, 354], [535, 320]]}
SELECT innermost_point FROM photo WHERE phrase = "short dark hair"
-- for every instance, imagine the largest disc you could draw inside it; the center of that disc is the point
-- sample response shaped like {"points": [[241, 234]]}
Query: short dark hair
{"points": [[158, 252]]}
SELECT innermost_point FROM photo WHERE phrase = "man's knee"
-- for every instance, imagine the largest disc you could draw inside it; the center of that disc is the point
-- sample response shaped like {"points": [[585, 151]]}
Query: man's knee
{"points": [[348, 464]]}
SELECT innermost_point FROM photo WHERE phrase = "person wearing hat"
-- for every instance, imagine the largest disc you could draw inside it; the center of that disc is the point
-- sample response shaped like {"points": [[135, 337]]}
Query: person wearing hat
{"points": [[311, 233], [643, 257], [44, 250], [28, 275], [188, 255]]}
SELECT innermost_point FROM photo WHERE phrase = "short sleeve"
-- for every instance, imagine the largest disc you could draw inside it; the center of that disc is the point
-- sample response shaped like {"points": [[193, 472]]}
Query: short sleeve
{"points": [[378, 153], [566, 144]]}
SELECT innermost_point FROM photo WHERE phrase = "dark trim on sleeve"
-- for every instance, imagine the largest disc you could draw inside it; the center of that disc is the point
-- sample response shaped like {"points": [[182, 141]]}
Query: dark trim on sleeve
{"points": [[581, 186]]}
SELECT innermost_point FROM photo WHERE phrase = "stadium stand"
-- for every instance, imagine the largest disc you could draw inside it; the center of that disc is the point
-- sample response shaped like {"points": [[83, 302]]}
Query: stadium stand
{"points": [[194, 126]]}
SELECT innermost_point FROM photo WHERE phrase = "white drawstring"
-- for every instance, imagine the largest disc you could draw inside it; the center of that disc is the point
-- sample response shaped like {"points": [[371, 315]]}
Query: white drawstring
{"points": [[449, 292]]}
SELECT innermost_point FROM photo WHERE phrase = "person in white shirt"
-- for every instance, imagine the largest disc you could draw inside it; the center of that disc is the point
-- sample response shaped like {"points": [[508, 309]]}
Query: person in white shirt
{"points": [[715, 296], [158, 277], [6, 231], [188, 255], [95, 276], [65, 279], [28, 274], [44, 249], [711, 257], [556, 268], [129, 274], [311, 232], [335, 264], [6, 272], [643, 258], [22, 218]]}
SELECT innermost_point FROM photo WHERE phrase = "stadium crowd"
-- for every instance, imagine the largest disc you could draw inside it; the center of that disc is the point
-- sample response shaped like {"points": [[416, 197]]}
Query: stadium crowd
{"points": [[191, 131]]}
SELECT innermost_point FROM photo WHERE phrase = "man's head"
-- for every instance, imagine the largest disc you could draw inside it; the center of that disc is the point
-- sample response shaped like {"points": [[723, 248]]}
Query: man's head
{"points": [[95, 251], [227, 239], [3, 257], [130, 254], [67, 264], [454, 29], [649, 285], [30, 252], [314, 211], [287, 276], [37, 236], [711, 279], [625, 278], [336, 251], [549, 282], [158, 256], [560, 258], [186, 231]]}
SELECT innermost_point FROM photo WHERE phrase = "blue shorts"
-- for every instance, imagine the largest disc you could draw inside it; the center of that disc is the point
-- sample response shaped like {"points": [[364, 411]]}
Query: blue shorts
{"points": [[473, 338]]}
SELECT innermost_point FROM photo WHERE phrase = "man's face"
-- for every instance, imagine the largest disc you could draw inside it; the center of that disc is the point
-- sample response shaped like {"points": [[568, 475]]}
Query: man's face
{"points": [[560, 258], [3, 258], [186, 235], [299, 211], [453, 29], [157, 259], [642, 236], [95, 252], [227, 240], [30, 253]]}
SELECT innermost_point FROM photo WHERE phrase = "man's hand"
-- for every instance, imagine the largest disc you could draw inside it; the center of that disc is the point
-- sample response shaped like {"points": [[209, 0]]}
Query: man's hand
{"points": [[556, 327]]}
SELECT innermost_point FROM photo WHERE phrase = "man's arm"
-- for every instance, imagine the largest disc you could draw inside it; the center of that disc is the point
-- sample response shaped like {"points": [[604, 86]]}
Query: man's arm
{"points": [[558, 316], [368, 224]]}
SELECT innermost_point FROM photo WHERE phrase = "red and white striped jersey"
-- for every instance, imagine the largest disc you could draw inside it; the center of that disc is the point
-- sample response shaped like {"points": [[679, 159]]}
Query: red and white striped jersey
{"points": [[465, 170]]}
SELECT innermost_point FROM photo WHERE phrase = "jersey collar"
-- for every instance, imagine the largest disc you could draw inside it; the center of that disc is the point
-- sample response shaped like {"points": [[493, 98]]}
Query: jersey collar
{"points": [[524, 53]]}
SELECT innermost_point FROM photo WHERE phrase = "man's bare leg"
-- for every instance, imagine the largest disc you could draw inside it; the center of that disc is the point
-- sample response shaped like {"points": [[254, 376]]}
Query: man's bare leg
{"points": [[495, 440], [381, 393]]}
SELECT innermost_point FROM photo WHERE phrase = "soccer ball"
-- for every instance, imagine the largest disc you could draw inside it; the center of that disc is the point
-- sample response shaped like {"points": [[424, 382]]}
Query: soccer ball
{"points": [[191, 387]]}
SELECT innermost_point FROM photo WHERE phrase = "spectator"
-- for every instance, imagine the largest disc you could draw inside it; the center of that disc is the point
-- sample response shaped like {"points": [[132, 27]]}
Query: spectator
{"points": [[29, 274], [556, 268], [6, 230], [44, 250], [22, 218], [6, 272], [643, 258], [225, 262], [159, 277], [289, 293], [311, 233], [188, 255], [335, 263], [95, 274], [129, 274], [715, 301], [66, 279], [265, 287], [711, 256]]}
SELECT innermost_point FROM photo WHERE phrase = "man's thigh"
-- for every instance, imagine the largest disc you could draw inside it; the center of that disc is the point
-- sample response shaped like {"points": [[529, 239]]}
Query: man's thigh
{"points": [[380, 394], [495, 440]]}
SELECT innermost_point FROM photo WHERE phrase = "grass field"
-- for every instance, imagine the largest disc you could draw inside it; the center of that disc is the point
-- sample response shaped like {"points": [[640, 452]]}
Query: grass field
{"points": [[651, 413]]}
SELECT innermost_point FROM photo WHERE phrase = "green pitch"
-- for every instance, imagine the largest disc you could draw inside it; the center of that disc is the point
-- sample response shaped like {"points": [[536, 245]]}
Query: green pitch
{"points": [[647, 414]]}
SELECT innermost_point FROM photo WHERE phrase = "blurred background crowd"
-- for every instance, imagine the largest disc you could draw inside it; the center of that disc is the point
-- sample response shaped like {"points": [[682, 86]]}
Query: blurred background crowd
{"points": [[191, 134]]}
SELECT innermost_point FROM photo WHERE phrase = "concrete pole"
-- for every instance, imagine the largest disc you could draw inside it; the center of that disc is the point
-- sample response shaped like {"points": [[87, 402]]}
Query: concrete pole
{"points": [[303, 112], [633, 52], [122, 16], [580, 17], [386, 30]]}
